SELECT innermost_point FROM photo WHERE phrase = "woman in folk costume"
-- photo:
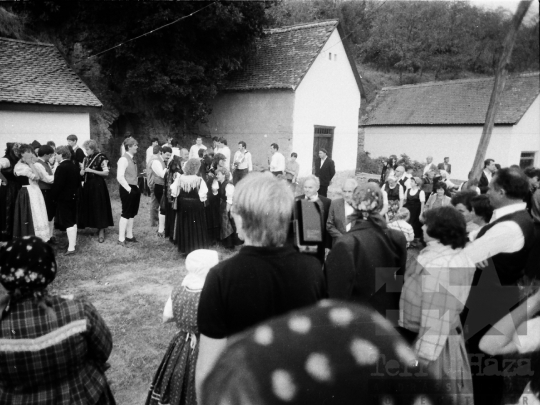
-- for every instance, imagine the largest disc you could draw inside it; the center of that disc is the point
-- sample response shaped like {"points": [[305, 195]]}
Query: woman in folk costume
{"points": [[174, 381], [53, 349], [95, 204], [9, 190], [432, 298], [213, 218], [168, 202], [224, 188], [30, 218], [191, 192]]}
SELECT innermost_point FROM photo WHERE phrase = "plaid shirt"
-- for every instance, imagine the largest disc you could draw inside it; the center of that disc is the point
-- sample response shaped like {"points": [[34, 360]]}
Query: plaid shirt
{"points": [[53, 361], [434, 295]]}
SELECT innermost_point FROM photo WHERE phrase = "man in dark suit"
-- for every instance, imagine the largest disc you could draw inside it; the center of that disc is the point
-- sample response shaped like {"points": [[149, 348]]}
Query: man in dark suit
{"points": [[490, 168], [311, 192], [79, 153], [65, 191], [341, 209], [325, 171], [445, 165]]}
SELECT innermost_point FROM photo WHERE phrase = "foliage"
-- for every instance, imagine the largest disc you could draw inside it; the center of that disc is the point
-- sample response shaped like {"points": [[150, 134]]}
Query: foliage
{"points": [[170, 75], [367, 164]]}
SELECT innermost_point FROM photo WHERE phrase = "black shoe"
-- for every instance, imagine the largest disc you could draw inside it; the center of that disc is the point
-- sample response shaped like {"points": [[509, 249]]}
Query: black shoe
{"points": [[119, 242], [132, 240], [52, 241], [70, 252]]}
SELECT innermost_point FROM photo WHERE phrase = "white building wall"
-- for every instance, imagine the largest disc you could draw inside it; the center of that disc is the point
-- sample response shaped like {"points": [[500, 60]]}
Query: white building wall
{"points": [[457, 142], [25, 127], [328, 96], [526, 135]]}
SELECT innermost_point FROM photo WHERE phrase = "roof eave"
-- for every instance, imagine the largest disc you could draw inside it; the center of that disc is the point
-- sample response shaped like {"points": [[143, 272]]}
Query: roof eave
{"points": [[36, 107]]}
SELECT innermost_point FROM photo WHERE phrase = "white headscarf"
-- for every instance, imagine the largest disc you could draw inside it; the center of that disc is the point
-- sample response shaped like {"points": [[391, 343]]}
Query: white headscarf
{"points": [[198, 263]]}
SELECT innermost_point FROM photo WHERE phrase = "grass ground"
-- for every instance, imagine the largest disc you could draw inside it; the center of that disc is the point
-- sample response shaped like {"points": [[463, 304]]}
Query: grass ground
{"points": [[129, 287]]}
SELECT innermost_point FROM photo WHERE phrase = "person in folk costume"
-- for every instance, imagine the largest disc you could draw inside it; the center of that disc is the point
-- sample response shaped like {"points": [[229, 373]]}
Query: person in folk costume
{"points": [[191, 192], [30, 218], [156, 170], [389, 165], [54, 348], [95, 205], [225, 190], [130, 195], [168, 202], [9, 190], [174, 381], [45, 184], [396, 195], [78, 155], [65, 192], [213, 218]]}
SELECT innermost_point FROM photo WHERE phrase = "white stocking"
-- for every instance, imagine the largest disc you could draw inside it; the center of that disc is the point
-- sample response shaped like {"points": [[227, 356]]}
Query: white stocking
{"points": [[72, 237], [122, 225], [51, 229], [129, 229], [161, 227]]}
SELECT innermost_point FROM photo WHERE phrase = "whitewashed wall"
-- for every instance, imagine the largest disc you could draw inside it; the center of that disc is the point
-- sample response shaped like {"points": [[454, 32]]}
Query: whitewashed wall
{"points": [[457, 142], [25, 127], [328, 96], [526, 135]]}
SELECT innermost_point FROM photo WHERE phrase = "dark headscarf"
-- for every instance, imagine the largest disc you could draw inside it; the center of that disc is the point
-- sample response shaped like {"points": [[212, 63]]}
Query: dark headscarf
{"points": [[331, 353], [27, 267]]}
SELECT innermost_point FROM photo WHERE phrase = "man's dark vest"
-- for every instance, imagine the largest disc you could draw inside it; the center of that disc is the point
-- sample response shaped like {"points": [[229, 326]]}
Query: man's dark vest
{"points": [[41, 183]]}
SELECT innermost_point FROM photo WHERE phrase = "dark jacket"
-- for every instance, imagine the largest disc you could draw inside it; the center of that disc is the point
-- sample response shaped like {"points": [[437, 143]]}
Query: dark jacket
{"points": [[362, 266], [440, 166], [327, 239], [337, 222], [67, 181], [79, 155], [326, 172]]}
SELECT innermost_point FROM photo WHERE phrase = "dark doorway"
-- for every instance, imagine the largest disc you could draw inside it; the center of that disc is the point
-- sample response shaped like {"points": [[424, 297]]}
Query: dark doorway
{"points": [[323, 138]]}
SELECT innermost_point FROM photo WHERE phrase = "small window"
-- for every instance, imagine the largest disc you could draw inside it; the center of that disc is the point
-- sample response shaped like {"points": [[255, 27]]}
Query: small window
{"points": [[335, 57], [329, 55], [526, 159]]}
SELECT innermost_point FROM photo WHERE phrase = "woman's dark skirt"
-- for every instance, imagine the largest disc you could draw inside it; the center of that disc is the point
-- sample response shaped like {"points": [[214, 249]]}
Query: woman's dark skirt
{"points": [[191, 228], [8, 200], [414, 208], [166, 208], [213, 218], [95, 205], [23, 225]]}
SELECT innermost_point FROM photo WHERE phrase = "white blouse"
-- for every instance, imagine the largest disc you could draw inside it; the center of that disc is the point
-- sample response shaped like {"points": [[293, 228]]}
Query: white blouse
{"points": [[192, 180]]}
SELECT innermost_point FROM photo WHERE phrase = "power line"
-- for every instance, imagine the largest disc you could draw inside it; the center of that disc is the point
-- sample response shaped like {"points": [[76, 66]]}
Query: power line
{"points": [[111, 48]]}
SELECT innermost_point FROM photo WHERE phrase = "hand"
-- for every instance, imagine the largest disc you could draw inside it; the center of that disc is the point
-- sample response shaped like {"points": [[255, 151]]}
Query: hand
{"points": [[88, 170], [82, 173], [482, 265]]}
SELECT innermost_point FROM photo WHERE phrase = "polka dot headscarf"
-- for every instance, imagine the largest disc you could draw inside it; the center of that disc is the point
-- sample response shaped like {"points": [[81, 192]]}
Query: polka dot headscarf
{"points": [[27, 264], [332, 353]]}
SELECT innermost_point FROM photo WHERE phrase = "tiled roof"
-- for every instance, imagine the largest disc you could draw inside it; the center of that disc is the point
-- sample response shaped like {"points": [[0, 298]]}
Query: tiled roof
{"points": [[282, 57], [36, 73], [458, 102]]}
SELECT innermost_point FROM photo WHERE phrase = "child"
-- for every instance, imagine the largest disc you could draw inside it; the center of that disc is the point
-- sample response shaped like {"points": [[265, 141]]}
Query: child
{"points": [[174, 381], [399, 223]]}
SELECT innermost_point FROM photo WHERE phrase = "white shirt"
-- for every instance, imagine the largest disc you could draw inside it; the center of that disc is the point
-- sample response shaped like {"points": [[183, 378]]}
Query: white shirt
{"points": [[229, 190], [348, 211], [244, 160], [175, 188], [277, 164], [121, 171], [194, 151], [176, 152], [322, 162], [422, 195], [45, 177], [149, 153], [488, 174], [158, 169], [427, 167], [225, 151], [505, 237]]}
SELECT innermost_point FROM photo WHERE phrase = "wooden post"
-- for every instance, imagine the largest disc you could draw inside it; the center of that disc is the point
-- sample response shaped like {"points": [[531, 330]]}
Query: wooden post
{"points": [[498, 87]]}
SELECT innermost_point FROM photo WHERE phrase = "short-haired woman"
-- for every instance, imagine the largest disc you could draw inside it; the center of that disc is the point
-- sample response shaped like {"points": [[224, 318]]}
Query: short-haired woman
{"points": [[191, 193], [95, 204], [415, 199], [433, 297], [395, 194], [438, 198], [54, 349], [266, 278], [30, 216]]}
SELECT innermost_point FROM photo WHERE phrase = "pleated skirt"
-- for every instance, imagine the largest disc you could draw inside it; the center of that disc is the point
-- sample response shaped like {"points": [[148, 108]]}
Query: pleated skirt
{"points": [[95, 205], [191, 227], [30, 217]]}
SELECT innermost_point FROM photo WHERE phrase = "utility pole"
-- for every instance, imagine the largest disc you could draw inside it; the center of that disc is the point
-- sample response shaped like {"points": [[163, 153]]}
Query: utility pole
{"points": [[498, 87]]}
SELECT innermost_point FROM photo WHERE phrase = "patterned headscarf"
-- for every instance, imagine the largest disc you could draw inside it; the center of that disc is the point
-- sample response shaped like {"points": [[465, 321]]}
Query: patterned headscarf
{"points": [[331, 353], [27, 265], [368, 198]]}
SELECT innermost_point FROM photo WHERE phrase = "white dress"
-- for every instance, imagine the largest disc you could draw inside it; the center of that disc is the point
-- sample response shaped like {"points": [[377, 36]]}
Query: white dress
{"points": [[37, 203]]}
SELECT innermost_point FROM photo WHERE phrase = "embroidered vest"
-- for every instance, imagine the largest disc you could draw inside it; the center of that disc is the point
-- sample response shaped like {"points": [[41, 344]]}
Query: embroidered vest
{"points": [[42, 185], [131, 171]]}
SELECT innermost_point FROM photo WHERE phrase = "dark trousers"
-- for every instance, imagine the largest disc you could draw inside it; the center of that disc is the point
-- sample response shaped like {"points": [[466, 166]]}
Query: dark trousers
{"points": [[239, 174], [49, 203], [156, 195], [323, 190], [130, 201], [277, 174]]}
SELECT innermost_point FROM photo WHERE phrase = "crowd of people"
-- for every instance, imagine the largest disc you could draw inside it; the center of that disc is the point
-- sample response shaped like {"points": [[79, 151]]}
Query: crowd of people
{"points": [[350, 322]]}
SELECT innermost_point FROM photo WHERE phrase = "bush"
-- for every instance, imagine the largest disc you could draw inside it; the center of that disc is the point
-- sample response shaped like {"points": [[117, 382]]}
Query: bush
{"points": [[367, 164]]}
